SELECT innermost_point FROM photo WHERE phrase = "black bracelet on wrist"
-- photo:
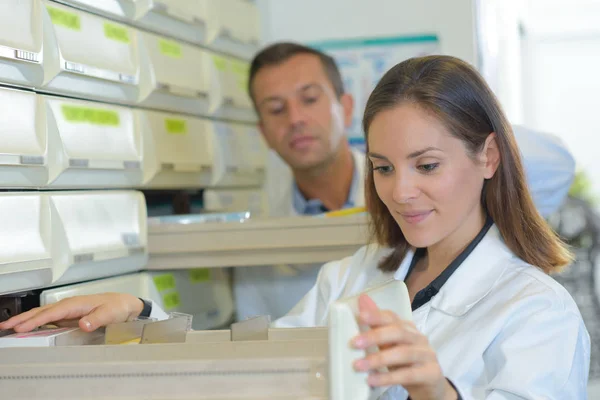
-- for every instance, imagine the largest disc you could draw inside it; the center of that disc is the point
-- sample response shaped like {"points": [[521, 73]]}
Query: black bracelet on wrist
{"points": [[147, 310], [458, 396]]}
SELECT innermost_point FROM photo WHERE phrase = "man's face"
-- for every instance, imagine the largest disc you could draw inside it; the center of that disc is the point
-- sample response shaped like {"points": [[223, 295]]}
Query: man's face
{"points": [[300, 115]]}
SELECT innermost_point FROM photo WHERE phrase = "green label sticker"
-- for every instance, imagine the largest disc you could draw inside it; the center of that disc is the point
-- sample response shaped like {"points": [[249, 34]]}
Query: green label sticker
{"points": [[94, 116], [116, 32], [171, 300], [220, 62], [164, 282], [176, 126], [64, 18], [241, 70], [170, 48], [240, 67], [200, 275]]}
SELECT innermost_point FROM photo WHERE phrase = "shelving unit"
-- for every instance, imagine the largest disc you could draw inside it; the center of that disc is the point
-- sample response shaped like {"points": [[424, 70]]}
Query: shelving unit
{"points": [[294, 369], [110, 96], [293, 240]]}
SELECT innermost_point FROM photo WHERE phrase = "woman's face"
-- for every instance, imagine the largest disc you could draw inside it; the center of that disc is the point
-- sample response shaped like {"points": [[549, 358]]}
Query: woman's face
{"points": [[426, 178]]}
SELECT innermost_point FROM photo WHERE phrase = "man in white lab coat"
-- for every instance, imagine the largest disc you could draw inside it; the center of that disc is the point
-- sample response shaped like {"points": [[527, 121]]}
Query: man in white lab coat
{"points": [[299, 96]]}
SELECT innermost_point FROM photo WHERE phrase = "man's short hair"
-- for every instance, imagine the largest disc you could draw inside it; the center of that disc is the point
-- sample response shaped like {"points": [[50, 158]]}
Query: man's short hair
{"points": [[278, 53]]}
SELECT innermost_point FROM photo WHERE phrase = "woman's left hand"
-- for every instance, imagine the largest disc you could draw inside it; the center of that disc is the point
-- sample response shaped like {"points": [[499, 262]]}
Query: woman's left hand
{"points": [[406, 353]]}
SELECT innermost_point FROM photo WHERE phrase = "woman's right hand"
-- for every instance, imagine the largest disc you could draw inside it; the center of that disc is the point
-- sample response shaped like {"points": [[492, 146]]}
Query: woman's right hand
{"points": [[91, 312]]}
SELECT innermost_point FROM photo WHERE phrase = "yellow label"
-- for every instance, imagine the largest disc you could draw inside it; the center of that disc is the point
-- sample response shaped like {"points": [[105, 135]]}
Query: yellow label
{"points": [[64, 18], [241, 70], [171, 300], [132, 341], [164, 282], [220, 62], [116, 32], [94, 116], [240, 67], [176, 126], [170, 48], [199, 275], [346, 211]]}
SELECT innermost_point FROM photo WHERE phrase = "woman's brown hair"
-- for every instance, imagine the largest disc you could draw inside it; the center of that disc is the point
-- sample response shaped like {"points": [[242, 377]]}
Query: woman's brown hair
{"points": [[455, 93]]}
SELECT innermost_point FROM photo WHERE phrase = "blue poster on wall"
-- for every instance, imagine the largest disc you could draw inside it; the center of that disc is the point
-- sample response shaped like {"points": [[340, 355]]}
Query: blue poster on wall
{"points": [[362, 62]]}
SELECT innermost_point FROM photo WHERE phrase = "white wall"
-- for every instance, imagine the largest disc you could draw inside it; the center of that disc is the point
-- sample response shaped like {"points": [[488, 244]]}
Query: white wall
{"points": [[316, 20], [500, 52], [560, 18], [561, 80]]}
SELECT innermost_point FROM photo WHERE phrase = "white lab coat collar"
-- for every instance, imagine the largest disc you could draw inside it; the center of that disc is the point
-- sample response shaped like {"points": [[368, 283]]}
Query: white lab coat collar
{"points": [[473, 279]]}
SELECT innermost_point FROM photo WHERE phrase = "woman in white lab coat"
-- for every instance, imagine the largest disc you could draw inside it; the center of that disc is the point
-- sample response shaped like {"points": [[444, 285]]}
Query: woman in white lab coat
{"points": [[445, 178], [453, 219]]}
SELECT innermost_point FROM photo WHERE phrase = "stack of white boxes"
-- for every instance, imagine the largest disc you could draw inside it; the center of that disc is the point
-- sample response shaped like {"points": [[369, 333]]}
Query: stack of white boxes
{"points": [[98, 98]]}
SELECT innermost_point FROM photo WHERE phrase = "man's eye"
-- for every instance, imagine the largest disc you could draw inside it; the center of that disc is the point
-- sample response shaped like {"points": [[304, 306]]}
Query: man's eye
{"points": [[275, 111]]}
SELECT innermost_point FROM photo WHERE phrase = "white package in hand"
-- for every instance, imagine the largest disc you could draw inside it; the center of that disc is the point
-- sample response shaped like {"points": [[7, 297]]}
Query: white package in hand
{"points": [[344, 382]]}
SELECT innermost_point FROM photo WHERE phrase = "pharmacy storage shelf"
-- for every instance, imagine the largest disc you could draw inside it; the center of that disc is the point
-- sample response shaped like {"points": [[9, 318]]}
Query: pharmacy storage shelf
{"points": [[295, 240]]}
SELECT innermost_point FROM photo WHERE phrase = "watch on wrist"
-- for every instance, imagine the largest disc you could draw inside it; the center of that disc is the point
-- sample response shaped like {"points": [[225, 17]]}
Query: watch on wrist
{"points": [[147, 310]]}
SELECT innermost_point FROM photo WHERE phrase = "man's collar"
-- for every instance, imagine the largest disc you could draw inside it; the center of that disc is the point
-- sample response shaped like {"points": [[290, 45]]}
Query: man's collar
{"points": [[315, 206]]}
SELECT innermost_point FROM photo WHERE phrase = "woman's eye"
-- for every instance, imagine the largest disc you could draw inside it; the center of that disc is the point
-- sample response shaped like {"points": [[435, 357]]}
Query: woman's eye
{"points": [[310, 100], [428, 167], [384, 169]]}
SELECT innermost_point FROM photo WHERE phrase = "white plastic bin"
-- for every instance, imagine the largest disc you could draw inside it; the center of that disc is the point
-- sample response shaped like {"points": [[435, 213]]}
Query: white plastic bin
{"points": [[178, 150], [182, 19], [173, 75], [92, 145], [89, 56], [25, 234], [100, 234], [21, 41], [23, 140]]}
